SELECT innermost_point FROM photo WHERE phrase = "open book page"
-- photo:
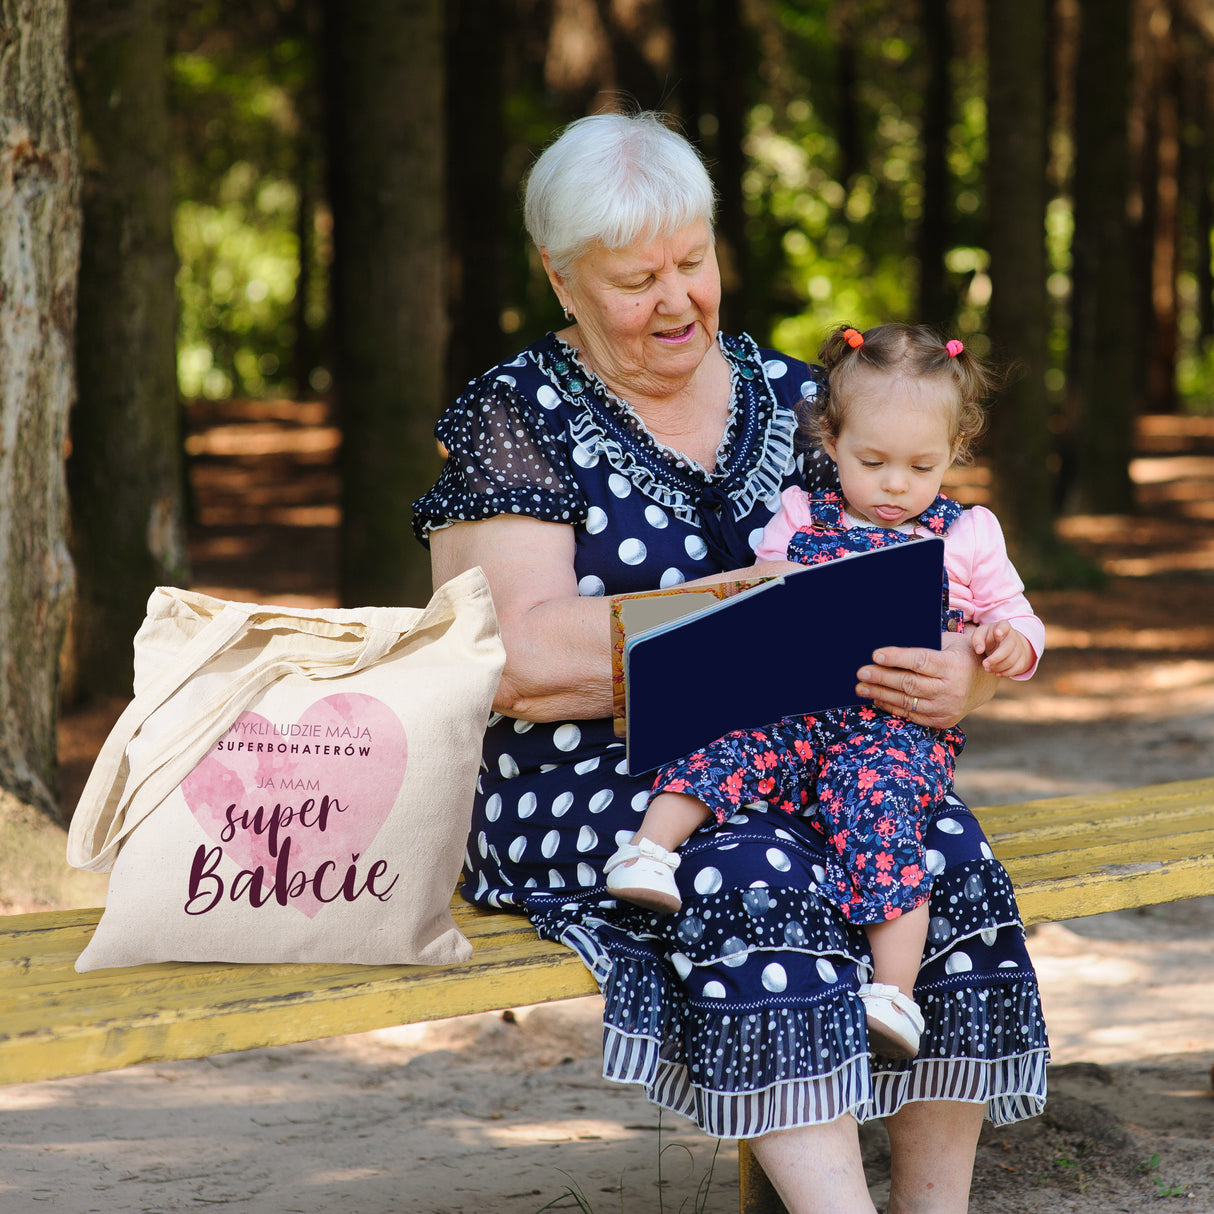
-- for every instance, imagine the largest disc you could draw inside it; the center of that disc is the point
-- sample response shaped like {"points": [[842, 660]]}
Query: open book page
{"points": [[635, 613]]}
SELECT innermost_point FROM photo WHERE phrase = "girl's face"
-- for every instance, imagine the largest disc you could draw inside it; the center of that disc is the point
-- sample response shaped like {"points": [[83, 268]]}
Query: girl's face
{"points": [[646, 315], [893, 448]]}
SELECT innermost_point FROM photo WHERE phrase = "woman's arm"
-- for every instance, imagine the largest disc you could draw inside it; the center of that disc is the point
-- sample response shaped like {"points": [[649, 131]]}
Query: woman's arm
{"points": [[558, 650], [558, 643], [932, 687]]}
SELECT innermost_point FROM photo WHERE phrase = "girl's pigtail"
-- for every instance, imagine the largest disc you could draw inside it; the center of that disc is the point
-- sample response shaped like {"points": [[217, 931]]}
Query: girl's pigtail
{"points": [[844, 341], [975, 381]]}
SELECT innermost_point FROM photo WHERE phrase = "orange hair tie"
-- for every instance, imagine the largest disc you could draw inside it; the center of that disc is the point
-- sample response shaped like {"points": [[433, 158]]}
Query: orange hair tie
{"points": [[853, 338], [954, 348]]}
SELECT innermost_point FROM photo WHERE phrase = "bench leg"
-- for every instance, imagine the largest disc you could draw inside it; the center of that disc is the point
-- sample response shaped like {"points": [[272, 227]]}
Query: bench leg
{"points": [[755, 1192]]}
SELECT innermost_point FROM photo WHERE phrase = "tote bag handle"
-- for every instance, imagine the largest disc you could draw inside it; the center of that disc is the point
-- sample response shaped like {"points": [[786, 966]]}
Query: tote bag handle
{"points": [[115, 799]]}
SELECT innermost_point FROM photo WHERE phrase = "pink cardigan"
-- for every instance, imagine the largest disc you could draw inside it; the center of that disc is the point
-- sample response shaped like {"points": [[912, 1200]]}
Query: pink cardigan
{"points": [[982, 581]]}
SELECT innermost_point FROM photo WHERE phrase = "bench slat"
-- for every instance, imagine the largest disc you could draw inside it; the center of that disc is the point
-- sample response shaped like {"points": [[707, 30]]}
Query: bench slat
{"points": [[1144, 884], [56, 1022], [56, 943], [1055, 836], [1082, 855], [129, 988], [1100, 856], [1067, 857], [1195, 797]]}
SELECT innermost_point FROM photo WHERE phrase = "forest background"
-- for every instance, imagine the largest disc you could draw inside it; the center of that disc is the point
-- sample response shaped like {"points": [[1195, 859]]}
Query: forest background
{"points": [[319, 200]]}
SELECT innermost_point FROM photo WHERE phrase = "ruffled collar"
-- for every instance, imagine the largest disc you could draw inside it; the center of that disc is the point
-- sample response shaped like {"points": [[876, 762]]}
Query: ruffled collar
{"points": [[636, 422], [756, 452]]}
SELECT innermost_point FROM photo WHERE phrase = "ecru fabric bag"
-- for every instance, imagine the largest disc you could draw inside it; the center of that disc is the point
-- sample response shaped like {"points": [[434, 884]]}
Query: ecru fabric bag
{"points": [[291, 785]]}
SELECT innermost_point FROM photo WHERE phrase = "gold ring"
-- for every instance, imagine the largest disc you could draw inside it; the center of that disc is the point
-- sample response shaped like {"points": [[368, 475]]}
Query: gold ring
{"points": [[915, 704]]}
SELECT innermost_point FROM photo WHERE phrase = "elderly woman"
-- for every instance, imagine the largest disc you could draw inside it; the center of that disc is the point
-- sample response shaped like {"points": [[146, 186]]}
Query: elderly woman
{"points": [[638, 448]]}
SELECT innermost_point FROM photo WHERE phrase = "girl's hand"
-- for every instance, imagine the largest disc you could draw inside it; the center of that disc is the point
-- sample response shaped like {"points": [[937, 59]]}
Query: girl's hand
{"points": [[933, 687], [1007, 652]]}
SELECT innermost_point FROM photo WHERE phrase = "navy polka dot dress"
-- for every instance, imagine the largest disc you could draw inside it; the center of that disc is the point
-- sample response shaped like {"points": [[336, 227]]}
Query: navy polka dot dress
{"points": [[740, 1010]]}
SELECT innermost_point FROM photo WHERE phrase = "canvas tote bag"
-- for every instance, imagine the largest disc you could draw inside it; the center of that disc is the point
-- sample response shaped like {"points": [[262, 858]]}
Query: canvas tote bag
{"points": [[291, 785]]}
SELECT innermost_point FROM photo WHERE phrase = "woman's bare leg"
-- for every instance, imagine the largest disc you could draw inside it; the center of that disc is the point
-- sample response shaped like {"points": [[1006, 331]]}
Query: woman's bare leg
{"points": [[816, 1169], [932, 1147]]}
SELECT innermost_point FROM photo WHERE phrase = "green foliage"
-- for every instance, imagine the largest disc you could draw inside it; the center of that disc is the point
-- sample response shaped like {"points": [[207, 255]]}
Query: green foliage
{"points": [[1074, 1165], [573, 1192], [246, 172], [1195, 378], [1195, 361], [835, 189], [1162, 1188], [1065, 569], [822, 274], [236, 286]]}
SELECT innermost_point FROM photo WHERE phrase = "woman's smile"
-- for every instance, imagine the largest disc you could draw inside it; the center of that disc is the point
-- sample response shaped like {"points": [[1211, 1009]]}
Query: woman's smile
{"points": [[675, 336]]}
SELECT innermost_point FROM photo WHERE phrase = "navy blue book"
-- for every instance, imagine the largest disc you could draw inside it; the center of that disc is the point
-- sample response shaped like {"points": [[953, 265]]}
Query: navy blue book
{"points": [[790, 645]]}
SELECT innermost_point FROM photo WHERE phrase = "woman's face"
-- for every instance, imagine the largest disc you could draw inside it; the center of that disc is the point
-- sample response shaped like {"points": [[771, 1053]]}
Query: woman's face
{"points": [[646, 315]]}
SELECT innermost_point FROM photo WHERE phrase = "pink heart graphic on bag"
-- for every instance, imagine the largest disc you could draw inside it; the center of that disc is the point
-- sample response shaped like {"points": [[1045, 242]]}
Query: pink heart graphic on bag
{"points": [[301, 800]]}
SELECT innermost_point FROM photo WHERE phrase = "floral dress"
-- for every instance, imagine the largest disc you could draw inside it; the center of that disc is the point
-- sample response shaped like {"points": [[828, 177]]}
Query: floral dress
{"points": [[740, 1011], [874, 776]]}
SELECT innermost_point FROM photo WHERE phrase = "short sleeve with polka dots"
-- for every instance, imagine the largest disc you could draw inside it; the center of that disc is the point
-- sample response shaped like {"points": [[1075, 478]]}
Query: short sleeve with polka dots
{"points": [[521, 438], [503, 457]]}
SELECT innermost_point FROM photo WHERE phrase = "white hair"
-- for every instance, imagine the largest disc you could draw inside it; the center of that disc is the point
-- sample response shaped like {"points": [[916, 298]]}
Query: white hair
{"points": [[614, 180]]}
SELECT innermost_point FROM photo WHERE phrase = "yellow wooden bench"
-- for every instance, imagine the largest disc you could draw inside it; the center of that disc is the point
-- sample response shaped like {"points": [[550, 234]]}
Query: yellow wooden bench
{"points": [[1067, 856]]}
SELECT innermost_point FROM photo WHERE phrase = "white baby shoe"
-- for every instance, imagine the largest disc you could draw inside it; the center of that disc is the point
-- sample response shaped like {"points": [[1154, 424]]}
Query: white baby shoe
{"points": [[644, 873], [894, 1021]]}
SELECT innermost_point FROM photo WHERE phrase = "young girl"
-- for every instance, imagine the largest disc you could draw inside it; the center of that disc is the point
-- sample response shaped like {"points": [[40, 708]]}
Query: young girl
{"points": [[901, 408]]}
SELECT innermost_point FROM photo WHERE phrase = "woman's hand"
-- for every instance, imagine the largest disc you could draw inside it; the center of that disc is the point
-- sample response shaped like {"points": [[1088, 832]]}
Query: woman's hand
{"points": [[937, 688]]}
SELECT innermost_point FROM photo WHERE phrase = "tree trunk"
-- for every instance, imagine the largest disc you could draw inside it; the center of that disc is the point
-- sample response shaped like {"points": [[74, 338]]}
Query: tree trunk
{"points": [[1019, 443], [844, 20], [308, 352], [1203, 203], [692, 69], [384, 87], [1197, 169], [639, 41], [937, 303], [125, 475], [734, 68], [476, 149], [1163, 183], [1103, 351], [39, 258]]}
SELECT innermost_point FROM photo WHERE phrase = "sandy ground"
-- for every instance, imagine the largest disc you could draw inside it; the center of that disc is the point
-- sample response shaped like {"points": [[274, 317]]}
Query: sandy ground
{"points": [[504, 1114], [508, 1114]]}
